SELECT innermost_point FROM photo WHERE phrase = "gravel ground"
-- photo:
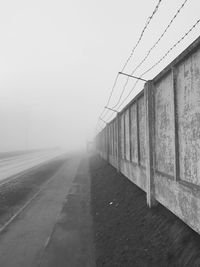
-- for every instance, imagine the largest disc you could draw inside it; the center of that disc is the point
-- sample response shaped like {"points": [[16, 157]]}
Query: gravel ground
{"points": [[16, 192], [128, 233]]}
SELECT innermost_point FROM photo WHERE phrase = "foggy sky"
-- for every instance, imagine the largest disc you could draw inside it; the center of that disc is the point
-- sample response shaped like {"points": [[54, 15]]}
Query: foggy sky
{"points": [[59, 60]]}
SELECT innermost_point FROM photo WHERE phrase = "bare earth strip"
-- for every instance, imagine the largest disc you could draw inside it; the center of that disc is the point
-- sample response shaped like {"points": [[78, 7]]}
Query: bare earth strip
{"points": [[128, 233]]}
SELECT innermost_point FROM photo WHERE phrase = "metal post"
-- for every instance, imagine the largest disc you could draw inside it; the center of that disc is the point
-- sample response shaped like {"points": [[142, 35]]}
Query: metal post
{"points": [[134, 77], [111, 109]]}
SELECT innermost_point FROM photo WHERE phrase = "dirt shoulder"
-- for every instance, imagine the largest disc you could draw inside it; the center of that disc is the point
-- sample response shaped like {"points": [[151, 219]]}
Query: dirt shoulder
{"points": [[128, 233]]}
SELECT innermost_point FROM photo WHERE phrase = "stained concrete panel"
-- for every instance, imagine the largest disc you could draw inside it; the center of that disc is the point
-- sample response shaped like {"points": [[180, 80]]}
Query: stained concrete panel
{"points": [[104, 141], [127, 133], [134, 146], [109, 144], [122, 135], [111, 139], [142, 130], [182, 197], [114, 139], [188, 108], [164, 126], [179, 198], [135, 173], [113, 160]]}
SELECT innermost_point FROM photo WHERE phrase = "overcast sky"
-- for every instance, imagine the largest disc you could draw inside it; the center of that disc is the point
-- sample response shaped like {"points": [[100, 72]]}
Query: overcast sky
{"points": [[58, 61]]}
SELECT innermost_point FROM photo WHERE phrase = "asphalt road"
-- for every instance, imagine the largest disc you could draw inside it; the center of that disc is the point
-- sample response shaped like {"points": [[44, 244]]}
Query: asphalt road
{"points": [[13, 165], [71, 243], [24, 242]]}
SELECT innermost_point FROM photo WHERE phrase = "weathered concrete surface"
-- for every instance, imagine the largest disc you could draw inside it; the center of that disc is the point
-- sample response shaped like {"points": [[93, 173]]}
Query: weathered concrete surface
{"points": [[115, 138], [113, 147], [23, 242], [188, 100], [122, 136], [175, 137], [71, 242], [142, 130], [135, 173], [134, 139], [164, 125], [127, 135], [181, 199], [113, 160], [110, 139]]}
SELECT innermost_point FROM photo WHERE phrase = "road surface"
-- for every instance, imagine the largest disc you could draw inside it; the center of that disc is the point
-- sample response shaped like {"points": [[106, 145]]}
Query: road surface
{"points": [[13, 165], [27, 240]]}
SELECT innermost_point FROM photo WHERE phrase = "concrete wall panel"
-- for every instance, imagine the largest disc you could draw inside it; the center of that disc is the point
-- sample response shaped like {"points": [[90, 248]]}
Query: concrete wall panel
{"points": [[188, 100], [164, 126], [113, 160], [142, 130], [173, 141], [127, 135], [134, 173], [134, 145], [115, 138], [122, 135], [182, 200]]}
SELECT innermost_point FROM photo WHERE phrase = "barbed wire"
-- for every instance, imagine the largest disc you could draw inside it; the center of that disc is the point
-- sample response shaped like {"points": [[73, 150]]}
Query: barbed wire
{"points": [[129, 92], [113, 87], [131, 54], [149, 52], [161, 59], [162, 35], [141, 35], [180, 40], [158, 62]]}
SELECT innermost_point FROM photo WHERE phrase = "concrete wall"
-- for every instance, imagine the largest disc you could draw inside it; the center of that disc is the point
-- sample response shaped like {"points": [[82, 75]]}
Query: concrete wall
{"points": [[155, 140], [133, 139]]}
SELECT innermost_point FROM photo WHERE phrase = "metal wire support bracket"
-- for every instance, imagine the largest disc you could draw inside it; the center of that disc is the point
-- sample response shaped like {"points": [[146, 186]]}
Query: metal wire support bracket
{"points": [[103, 120], [111, 109], [138, 78]]}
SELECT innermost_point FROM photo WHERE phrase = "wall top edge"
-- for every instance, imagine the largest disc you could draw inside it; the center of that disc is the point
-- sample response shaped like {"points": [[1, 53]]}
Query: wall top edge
{"points": [[186, 53], [140, 94]]}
